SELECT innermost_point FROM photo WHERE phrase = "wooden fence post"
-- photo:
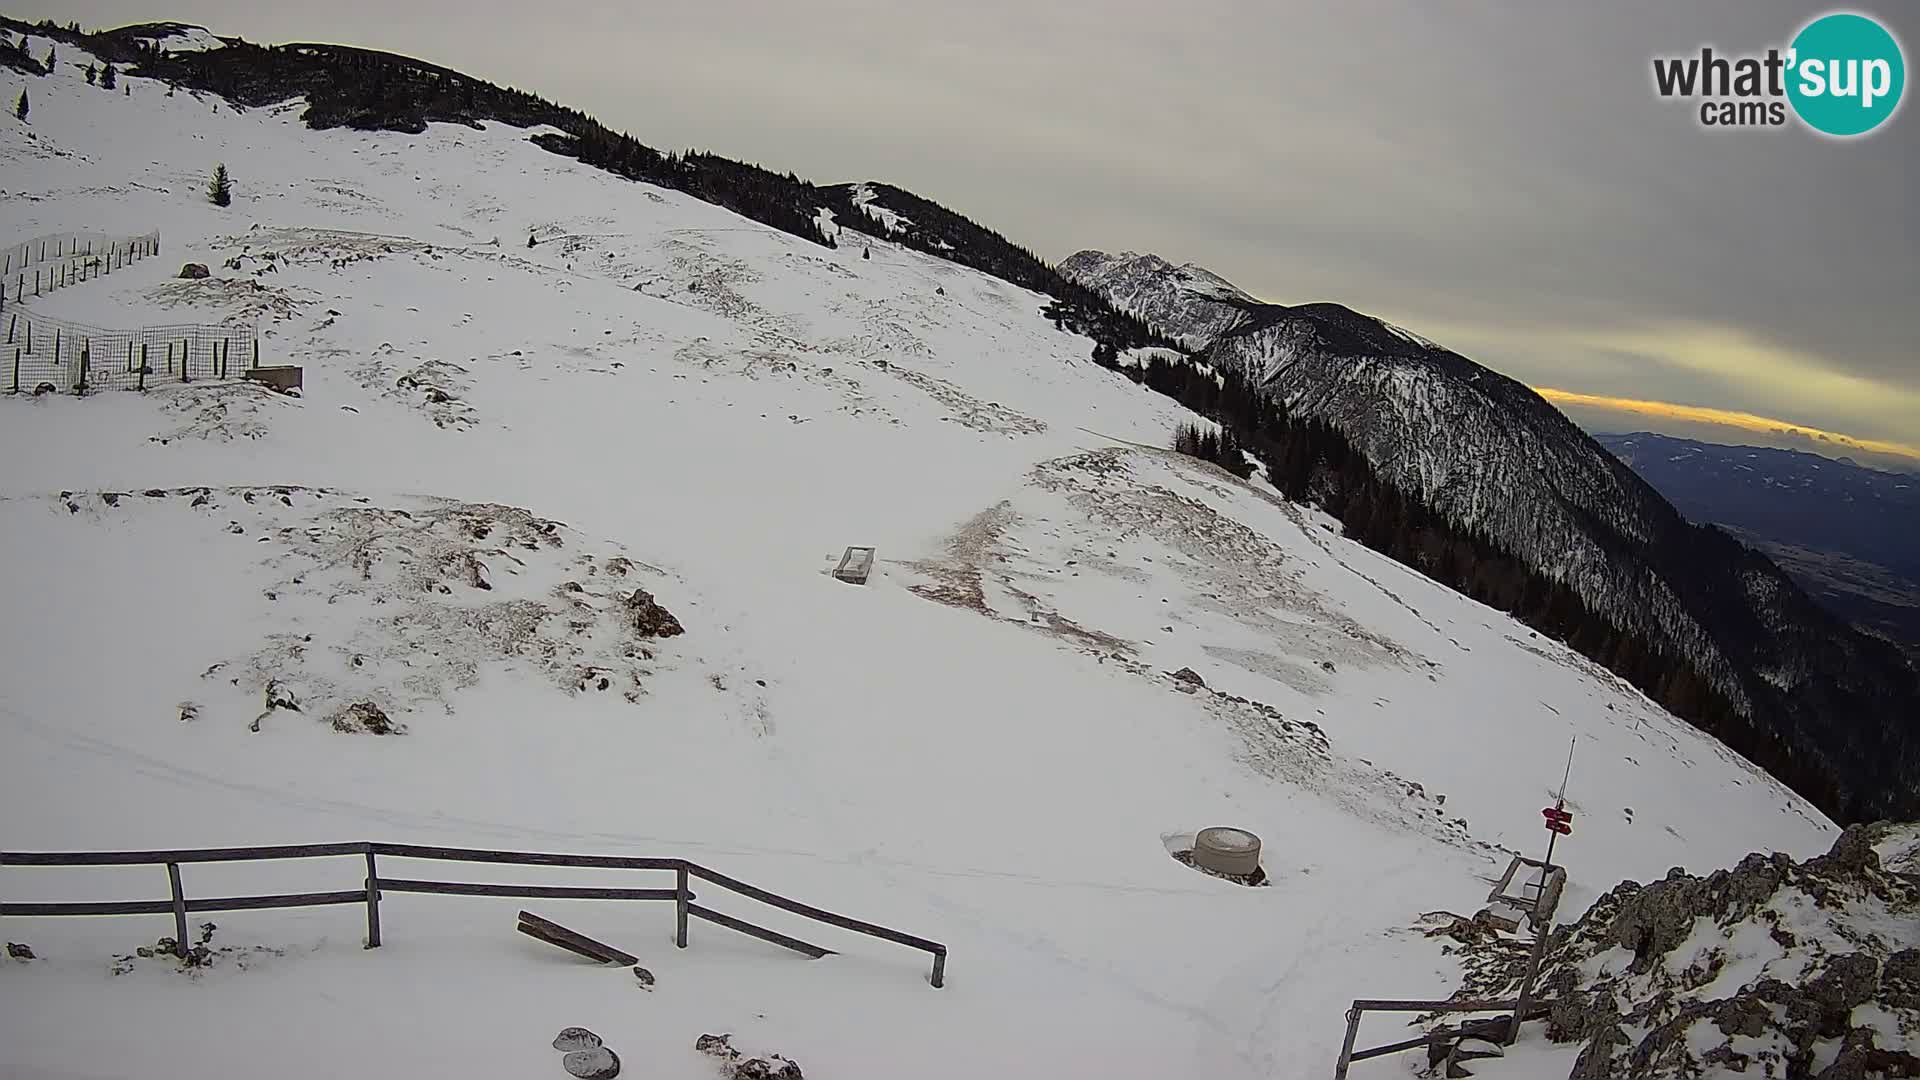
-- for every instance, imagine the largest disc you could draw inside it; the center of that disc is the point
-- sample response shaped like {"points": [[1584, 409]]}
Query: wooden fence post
{"points": [[256, 350], [16, 369], [86, 357], [680, 907], [141, 384], [185, 355], [1526, 984], [179, 911], [373, 902]]}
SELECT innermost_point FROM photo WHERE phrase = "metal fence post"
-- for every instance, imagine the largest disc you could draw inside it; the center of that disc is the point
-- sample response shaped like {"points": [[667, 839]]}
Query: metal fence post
{"points": [[141, 383], [179, 911], [680, 907], [939, 969], [373, 902], [16, 369], [256, 350], [1346, 1050]]}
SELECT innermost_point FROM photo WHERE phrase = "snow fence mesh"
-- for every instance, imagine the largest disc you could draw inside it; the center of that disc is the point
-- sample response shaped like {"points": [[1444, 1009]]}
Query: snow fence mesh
{"points": [[42, 353]]}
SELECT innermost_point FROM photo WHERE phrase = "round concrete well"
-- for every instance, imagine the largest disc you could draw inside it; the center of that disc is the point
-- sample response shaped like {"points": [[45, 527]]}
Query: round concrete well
{"points": [[1227, 851]]}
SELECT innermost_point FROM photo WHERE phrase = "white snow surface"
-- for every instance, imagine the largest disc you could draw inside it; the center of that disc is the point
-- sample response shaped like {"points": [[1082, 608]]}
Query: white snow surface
{"points": [[982, 746]]}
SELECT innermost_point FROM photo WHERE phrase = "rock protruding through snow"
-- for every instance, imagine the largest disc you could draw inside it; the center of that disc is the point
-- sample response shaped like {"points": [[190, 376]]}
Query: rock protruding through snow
{"points": [[1774, 967]]}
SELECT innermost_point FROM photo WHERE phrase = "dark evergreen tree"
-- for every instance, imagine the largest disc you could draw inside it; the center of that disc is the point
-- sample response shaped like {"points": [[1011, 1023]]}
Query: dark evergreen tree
{"points": [[220, 188], [20, 107], [93, 74], [50, 58], [108, 78]]}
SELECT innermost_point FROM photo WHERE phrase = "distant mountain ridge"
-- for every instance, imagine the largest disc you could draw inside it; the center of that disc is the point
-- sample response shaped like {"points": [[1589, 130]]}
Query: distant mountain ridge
{"points": [[1493, 457], [1845, 531]]}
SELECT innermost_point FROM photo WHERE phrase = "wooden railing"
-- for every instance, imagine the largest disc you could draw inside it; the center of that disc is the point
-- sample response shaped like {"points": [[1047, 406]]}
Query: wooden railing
{"points": [[374, 885]]}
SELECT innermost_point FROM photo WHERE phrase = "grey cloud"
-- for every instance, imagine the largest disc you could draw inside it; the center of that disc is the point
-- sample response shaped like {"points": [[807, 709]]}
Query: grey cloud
{"points": [[1486, 165]]}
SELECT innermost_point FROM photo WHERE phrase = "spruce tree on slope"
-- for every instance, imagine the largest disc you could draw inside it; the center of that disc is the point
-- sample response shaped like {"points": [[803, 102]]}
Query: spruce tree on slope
{"points": [[107, 77], [220, 188], [20, 107]]}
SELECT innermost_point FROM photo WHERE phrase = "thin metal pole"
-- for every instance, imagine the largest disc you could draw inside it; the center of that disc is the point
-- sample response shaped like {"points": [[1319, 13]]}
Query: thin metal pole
{"points": [[939, 970], [680, 907], [179, 911], [373, 902]]}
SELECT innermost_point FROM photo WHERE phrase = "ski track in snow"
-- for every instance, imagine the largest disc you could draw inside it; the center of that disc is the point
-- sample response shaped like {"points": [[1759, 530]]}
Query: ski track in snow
{"points": [[984, 745]]}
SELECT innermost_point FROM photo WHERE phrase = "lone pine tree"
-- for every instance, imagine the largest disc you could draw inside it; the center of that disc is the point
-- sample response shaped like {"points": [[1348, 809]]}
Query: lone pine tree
{"points": [[20, 107], [220, 188], [107, 76]]}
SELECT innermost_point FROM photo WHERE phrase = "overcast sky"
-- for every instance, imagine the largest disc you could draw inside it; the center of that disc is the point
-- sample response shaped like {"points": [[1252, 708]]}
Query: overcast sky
{"points": [[1498, 176]]}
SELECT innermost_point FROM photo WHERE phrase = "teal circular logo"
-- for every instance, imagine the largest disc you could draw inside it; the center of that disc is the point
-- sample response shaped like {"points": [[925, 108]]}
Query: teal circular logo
{"points": [[1846, 74]]}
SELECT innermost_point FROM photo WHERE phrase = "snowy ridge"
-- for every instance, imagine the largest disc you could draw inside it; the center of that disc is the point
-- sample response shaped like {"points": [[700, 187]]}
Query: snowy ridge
{"points": [[1188, 303], [1491, 456], [718, 409]]}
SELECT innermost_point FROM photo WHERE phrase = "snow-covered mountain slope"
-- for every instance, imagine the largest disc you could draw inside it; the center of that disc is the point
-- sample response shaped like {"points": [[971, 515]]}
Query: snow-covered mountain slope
{"points": [[1492, 457], [1189, 303], [985, 745]]}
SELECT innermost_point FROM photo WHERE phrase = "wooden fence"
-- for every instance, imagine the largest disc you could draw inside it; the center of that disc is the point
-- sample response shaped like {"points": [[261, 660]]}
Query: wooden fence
{"points": [[374, 885], [44, 264]]}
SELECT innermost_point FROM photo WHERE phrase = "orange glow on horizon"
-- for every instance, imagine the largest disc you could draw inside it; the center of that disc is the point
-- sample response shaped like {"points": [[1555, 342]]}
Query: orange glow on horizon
{"points": [[1701, 414]]}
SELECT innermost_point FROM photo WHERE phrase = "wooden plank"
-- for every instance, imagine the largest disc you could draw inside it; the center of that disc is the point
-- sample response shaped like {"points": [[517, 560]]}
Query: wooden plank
{"points": [[817, 914], [279, 900], [573, 941], [117, 907], [549, 892], [535, 932], [814, 952], [1401, 1005], [524, 858], [1391, 1048], [190, 855]]}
